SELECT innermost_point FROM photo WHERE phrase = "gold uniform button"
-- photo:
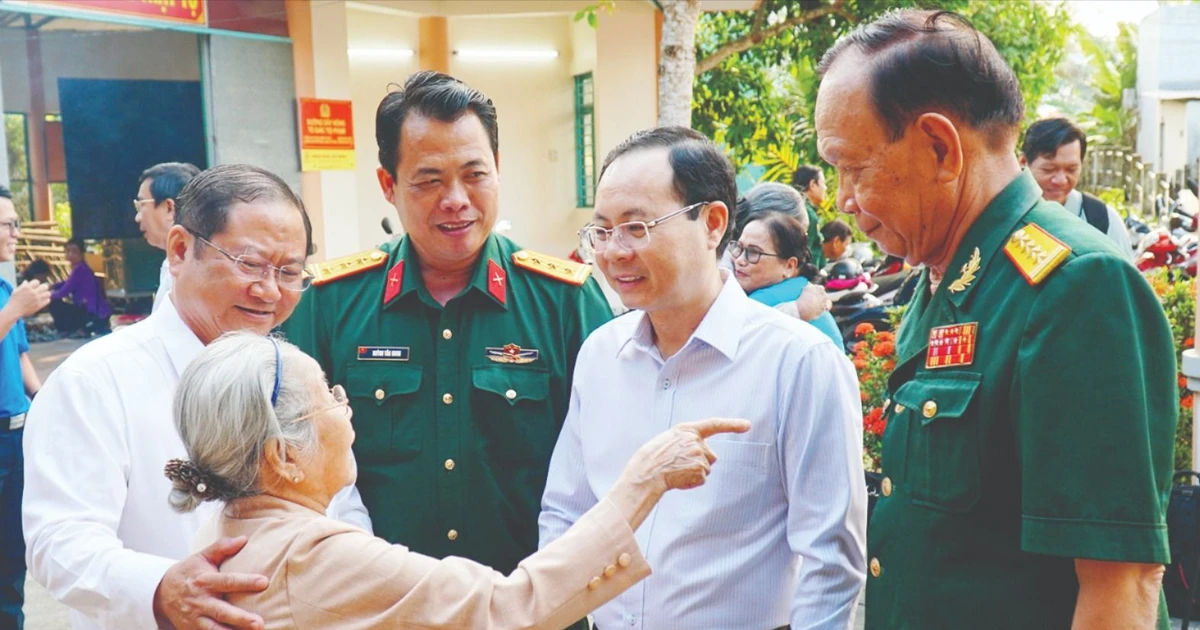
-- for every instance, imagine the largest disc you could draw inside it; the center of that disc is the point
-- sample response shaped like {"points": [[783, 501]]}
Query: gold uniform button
{"points": [[380, 394], [452, 534], [899, 408], [447, 398], [446, 334], [376, 255], [610, 570], [929, 409], [887, 403], [624, 559], [887, 487], [876, 569], [511, 394], [449, 464], [522, 255]]}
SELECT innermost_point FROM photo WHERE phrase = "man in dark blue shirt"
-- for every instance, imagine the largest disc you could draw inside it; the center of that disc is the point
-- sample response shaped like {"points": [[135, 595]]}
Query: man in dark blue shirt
{"points": [[18, 381]]}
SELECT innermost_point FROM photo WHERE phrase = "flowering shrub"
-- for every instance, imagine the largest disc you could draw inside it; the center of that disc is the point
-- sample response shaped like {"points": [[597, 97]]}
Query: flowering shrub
{"points": [[874, 358], [1178, 297]]}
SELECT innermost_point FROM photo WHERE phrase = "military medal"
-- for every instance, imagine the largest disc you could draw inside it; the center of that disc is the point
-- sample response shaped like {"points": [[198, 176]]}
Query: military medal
{"points": [[383, 353], [512, 353], [951, 346]]}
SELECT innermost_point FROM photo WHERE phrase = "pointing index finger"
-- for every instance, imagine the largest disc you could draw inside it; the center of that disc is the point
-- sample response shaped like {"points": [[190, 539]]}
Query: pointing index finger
{"points": [[712, 426]]}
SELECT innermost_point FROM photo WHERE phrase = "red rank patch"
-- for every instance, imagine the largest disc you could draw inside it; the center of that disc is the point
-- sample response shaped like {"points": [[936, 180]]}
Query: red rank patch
{"points": [[497, 282], [395, 281], [951, 346]]}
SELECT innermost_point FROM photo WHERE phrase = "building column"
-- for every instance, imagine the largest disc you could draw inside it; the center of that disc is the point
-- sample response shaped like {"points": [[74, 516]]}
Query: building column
{"points": [[434, 44], [39, 188], [322, 70], [626, 77]]}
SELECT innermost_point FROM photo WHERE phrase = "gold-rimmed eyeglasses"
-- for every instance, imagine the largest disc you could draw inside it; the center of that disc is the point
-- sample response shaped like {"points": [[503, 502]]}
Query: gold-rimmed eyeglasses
{"points": [[633, 235], [289, 277], [339, 394]]}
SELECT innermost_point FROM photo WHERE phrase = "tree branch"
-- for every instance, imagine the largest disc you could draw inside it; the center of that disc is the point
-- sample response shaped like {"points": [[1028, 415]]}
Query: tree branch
{"points": [[758, 34]]}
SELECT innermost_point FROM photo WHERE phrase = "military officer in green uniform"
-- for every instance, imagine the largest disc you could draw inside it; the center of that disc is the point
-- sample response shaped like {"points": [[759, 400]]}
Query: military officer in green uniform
{"points": [[455, 346], [1032, 414], [810, 181]]}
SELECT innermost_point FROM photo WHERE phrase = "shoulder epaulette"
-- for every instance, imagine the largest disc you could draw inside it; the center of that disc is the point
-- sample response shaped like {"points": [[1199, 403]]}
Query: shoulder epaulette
{"points": [[560, 269], [1035, 252], [346, 266]]}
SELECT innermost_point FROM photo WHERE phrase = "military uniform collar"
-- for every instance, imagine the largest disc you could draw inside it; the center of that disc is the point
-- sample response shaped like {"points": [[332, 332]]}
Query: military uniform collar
{"points": [[490, 277], [987, 237]]}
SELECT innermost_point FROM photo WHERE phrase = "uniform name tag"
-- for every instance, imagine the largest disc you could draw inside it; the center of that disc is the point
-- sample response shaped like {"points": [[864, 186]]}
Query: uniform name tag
{"points": [[382, 353], [950, 346]]}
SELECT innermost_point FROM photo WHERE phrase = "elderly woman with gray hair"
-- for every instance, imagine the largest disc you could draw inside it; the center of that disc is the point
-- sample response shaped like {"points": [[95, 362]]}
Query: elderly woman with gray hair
{"points": [[265, 434]]}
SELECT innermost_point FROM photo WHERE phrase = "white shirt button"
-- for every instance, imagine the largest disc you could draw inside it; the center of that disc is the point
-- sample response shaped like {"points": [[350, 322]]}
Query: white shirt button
{"points": [[666, 383], [446, 334]]}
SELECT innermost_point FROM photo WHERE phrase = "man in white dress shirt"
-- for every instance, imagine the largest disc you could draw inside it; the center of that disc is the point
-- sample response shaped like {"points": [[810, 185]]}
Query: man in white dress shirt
{"points": [[99, 532], [776, 536], [155, 203]]}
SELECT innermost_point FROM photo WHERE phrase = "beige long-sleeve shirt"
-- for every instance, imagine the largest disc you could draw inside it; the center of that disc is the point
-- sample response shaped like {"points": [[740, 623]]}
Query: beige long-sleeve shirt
{"points": [[327, 574]]}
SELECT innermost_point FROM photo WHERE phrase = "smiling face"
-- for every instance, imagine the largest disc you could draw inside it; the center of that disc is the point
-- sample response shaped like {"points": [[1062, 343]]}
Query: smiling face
{"points": [[446, 189], [769, 270], [209, 293], [638, 186], [1057, 174], [891, 189]]}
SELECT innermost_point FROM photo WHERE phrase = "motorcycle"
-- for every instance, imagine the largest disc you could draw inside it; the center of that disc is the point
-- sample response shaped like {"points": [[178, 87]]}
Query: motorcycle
{"points": [[858, 299]]}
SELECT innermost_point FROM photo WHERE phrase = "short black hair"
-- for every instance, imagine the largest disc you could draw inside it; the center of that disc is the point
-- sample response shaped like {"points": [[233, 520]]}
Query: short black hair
{"points": [[768, 197], [433, 95], [78, 243], [836, 229], [168, 179], [1044, 137], [37, 269], [5, 193], [804, 177], [923, 61], [203, 205], [702, 172]]}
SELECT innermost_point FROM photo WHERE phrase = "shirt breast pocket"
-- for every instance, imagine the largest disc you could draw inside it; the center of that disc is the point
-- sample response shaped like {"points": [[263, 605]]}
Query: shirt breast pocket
{"points": [[942, 455], [386, 421], [514, 413], [734, 490]]}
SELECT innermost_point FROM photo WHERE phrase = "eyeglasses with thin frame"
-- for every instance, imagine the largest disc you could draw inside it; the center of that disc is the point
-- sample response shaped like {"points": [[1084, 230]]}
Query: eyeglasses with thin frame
{"points": [[752, 253], [632, 236], [137, 203], [258, 270], [13, 226], [339, 394]]}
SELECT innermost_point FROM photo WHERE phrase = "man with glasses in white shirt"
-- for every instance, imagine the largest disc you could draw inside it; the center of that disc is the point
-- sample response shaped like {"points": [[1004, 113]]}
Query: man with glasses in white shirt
{"points": [[776, 537], [154, 206], [100, 534]]}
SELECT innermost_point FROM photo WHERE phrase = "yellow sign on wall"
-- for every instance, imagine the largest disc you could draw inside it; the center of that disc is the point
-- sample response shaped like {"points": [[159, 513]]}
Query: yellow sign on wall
{"points": [[326, 135]]}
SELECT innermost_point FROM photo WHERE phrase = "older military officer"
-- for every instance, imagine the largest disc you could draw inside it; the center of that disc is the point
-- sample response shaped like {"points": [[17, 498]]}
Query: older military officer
{"points": [[455, 346], [1032, 414]]}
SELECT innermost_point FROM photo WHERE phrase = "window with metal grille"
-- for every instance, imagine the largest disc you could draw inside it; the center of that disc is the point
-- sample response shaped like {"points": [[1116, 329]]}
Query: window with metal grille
{"points": [[585, 141]]}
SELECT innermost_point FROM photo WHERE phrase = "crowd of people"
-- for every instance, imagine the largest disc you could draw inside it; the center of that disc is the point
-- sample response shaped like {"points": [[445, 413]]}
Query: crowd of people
{"points": [[451, 431]]}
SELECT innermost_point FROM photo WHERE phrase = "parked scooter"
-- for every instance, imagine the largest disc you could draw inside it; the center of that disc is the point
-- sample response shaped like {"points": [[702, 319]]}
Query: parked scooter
{"points": [[857, 299]]}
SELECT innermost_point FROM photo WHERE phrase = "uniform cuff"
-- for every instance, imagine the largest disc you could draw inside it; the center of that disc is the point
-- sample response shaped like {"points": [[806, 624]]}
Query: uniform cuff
{"points": [[1095, 540]]}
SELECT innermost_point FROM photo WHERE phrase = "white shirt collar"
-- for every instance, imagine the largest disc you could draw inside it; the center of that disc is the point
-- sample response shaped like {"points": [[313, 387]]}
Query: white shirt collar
{"points": [[721, 327], [181, 343], [1074, 202]]}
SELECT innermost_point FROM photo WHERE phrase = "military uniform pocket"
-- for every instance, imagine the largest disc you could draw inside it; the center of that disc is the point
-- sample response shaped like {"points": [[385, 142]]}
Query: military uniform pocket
{"points": [[385, 415], [514, 411], [942, 454]]}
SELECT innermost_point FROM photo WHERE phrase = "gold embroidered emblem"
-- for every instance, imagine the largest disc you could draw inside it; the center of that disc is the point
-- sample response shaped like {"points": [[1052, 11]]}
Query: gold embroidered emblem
{"points": [[562, 270], [1035, 252], [967, 276], [331, 270]]}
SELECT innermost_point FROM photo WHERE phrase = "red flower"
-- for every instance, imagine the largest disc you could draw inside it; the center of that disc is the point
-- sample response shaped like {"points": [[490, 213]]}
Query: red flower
{"points": [[883, 349], [860, 364], [863, 396], [1189, 342], [1186, 401], [889, 365], [863, 329], [860, 347], [1182, 382], [873, 422], [885, 336]]}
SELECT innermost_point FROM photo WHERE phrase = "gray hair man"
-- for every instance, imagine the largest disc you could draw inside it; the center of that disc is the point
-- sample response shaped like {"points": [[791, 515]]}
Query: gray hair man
{"points": [[158, 188], [100, 534]]}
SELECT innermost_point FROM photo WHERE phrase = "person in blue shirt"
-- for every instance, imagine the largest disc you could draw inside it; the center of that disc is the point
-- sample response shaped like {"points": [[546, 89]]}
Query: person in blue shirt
{"points": [[18, 381], [770, 252]]}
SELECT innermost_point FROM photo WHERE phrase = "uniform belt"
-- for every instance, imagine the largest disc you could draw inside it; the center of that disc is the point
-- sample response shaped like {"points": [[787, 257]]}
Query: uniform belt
{"points": [[13, 422]]}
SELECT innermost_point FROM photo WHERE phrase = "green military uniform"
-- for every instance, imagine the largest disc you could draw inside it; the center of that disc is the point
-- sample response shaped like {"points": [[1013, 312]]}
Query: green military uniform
{"points": [[456, 408], [814, 235], [1031, 422]]}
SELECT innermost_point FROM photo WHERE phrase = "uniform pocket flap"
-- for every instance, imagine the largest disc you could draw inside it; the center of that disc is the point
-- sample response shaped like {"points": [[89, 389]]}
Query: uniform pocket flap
{"points": [[380, 382], [511, 383], [945, 396]]}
